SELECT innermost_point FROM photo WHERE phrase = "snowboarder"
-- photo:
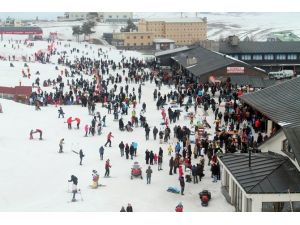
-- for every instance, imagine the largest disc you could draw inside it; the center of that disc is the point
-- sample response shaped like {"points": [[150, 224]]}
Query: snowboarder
{"points": [[81, 155], [61, 145], [101, 152], [149, 172], [107, 166], [109, 136]]}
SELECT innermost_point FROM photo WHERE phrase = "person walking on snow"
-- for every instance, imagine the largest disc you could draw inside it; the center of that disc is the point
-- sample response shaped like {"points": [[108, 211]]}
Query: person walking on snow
{"points": [[86, 129], [101, 152], [61, 142], [81, 155], [77, 122], [182, 184], [109, 136], [107, 166], [155, 131], [122, 146], [61, 112], [149, 172], [74, 179]]}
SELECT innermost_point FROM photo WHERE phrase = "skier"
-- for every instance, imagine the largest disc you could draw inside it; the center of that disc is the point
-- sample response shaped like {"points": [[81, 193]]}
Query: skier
{"points": [[149, 172], [61, 112], [61, 145], [101, 152], [109, 136], [81, 155], [74, 179], [107, 166]]}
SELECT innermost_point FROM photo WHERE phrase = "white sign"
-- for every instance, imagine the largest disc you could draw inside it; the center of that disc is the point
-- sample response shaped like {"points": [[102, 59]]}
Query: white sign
{"points": [[235, 69]]}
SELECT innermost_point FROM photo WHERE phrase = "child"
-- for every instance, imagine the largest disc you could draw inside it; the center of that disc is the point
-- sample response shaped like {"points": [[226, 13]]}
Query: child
{"points": [[155, 158], [170, 149]]}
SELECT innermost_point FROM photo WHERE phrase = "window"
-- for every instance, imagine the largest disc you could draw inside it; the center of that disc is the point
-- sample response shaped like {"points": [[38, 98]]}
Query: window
{"points": [[134, 37], [269, 57], [128, 37], [235, 56], [257, 57], [124, 16], [134, 44], [142, 37], [246, 57], [280, 206], [280, 57], [292, 57]]}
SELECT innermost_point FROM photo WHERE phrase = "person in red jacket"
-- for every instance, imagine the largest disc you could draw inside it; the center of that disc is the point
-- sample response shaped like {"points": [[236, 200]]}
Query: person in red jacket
{"points": [[107, 166], [77, 121], [69, 122], [179, 207], [256, 125], [109, 136]]}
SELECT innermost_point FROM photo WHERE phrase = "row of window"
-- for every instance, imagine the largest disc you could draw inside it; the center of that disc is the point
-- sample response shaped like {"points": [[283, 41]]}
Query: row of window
{"points": [[267, 57], [134, 37], [134, 44]]}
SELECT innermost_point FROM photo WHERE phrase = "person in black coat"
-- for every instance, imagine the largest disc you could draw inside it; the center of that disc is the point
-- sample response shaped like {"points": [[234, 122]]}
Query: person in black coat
{"points": [[182, 184], [194, 174], [127, 151], [131, 151], [147, 131], [151, 157], [81, 155], [129, 208], [122, 146], [160, 153], [155, 131], [171, 165], [147, 156]]}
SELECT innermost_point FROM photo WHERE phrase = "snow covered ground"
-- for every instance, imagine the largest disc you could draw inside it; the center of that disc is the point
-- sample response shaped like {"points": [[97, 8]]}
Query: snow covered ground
{"points": [[34, 176]]}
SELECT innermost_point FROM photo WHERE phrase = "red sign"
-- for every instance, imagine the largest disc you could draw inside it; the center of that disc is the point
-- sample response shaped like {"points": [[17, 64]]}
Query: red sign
{"points": [[235, 69]]}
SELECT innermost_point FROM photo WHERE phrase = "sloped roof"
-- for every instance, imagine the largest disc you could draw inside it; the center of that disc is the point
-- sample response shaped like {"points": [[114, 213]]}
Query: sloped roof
{"points": [[261, 47], [171, 51], [256, 82], [280, 103], [207, 61], [269, 173]]}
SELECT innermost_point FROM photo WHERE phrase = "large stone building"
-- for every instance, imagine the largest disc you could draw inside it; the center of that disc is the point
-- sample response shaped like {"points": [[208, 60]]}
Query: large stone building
{"points": [[132, 40], [184, 31]]}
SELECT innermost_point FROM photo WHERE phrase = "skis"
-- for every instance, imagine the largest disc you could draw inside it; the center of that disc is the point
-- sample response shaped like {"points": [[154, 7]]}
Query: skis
{"points": [[75, 152], [99, 185]]}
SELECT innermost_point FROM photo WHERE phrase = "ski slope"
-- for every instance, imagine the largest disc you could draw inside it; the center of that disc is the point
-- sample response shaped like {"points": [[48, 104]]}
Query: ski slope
{"points": [[34, 176]]}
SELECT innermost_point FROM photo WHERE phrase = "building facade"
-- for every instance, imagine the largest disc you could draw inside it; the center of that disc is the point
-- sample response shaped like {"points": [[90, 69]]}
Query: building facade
{"points": [[132, 40], [115, 16], [184, 31]]}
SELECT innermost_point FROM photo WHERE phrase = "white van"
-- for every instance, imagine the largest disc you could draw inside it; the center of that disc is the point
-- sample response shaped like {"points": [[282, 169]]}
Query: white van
{"points": [[281, 74]]}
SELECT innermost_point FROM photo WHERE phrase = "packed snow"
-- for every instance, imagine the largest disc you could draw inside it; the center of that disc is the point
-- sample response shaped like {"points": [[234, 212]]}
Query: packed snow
{"points": [[35, 176]]}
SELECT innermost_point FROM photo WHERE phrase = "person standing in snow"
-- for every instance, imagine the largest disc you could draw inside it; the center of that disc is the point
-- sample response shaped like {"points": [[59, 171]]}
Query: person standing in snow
{"points": [[81, 155], [86, 129], [122, 146], [127, 151], [171, 165], [151, 157], [61, 142], [77, 122], [155, 131], [131, 151], [147, 131], [74, 179], [61, 112], [149, 172], [129, 208], [101, 152], [182, 184], [109, 136], [107, 166]]}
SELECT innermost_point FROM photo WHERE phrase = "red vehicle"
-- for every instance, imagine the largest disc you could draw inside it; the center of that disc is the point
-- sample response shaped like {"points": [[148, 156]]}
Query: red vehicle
{"points": [[136, 170]]}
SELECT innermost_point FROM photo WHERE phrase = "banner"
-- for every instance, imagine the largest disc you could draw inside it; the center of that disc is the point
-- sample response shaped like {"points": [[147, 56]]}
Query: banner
{"points": [[235, 69]]}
